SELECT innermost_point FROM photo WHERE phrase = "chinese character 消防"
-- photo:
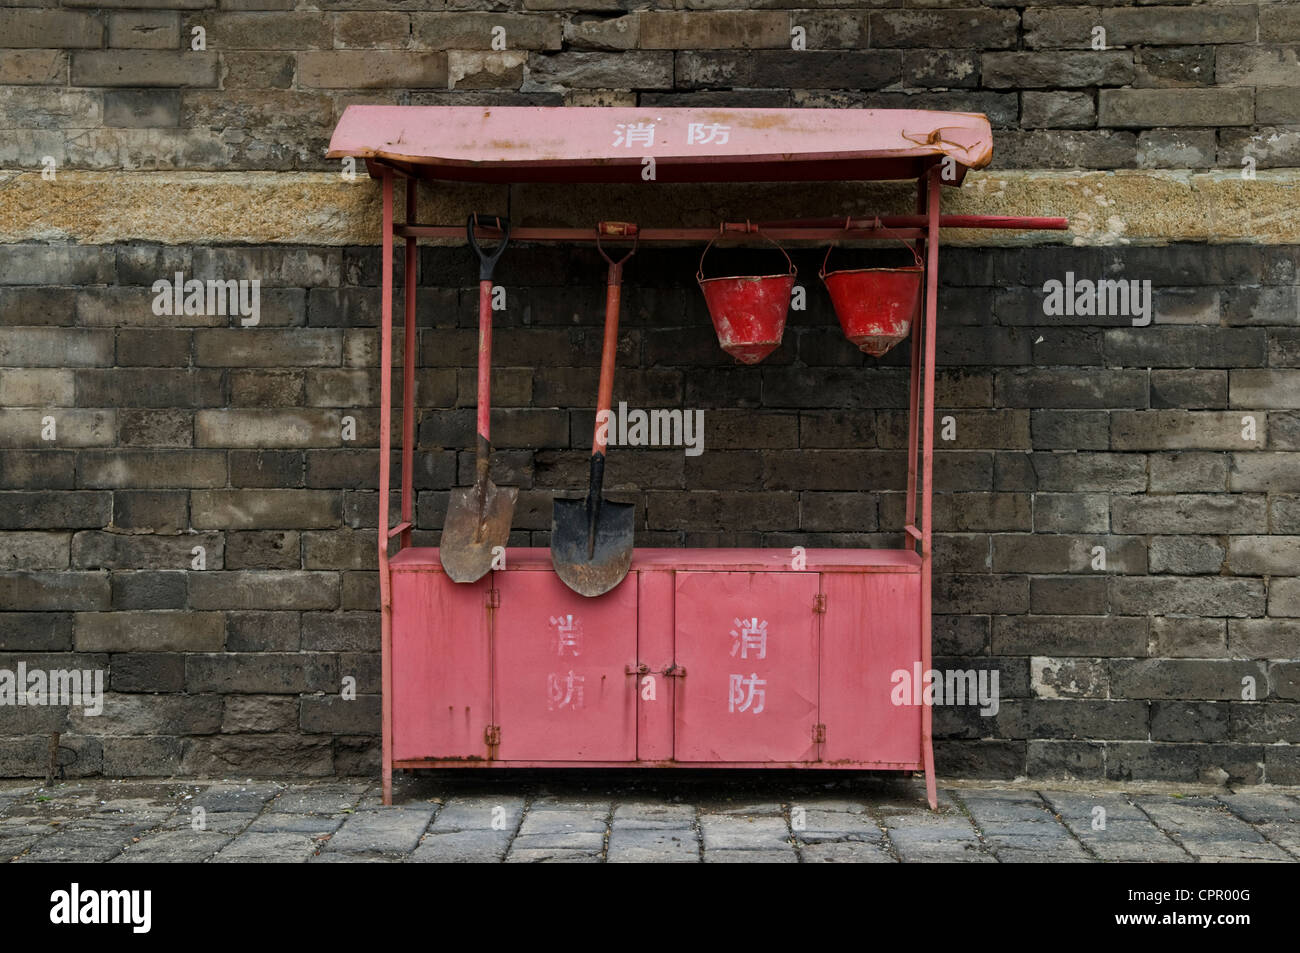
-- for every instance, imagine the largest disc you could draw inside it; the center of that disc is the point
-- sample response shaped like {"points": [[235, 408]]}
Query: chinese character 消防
{"points": [[750, 635], [564, 691], [704, 133], [566, 634], [631, 134], [741, 700]]}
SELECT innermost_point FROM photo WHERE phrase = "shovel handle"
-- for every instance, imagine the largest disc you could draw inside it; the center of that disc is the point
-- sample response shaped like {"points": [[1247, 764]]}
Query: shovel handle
{"points": [[484, 362], [608, 354], [487, 262]]}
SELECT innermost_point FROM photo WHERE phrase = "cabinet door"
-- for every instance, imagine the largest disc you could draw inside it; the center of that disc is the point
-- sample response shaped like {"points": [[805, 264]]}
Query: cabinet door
{"points": [[441, 697], [564, 692], [872, 630], [748, 643]]}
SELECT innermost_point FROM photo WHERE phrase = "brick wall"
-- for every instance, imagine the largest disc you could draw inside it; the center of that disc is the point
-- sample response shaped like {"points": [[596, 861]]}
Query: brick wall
{"points": [[1184, 86], [1070, 433]]}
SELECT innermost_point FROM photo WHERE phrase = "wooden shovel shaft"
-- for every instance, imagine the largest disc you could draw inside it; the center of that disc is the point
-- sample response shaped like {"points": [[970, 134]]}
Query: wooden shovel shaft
{"points": [[484, 362], [608, 354]]}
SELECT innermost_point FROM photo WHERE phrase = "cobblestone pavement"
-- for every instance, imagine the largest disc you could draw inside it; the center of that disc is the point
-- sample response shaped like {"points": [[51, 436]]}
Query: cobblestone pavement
{"points": [[527, 817]]}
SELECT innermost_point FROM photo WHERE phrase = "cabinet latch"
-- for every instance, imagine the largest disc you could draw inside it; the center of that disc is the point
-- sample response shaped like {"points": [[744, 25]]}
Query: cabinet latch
{"points": [[819, 602], [636, 669], [494, 598], [492, 735], [819, 734]]}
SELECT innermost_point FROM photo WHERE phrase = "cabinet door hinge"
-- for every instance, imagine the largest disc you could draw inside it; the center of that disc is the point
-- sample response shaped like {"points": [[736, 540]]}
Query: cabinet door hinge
{"points": [[494, 598], [819, 734], [492, 735], [819, 602]]}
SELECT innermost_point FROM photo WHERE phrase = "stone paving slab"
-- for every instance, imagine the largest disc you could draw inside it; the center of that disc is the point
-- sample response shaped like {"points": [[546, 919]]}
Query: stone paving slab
{"points": [[552, 856], [724, 832], [657, 843], [225, 822], [570, 822], [281, 822], [170, 847], [393, 830], [924, 837], [1276, 817], [844, 852], [479, 813], [327, 798], [641, 814], [751, 857], [444, 817], [91, 846], [1112, 828], [482, 846], [1019, 827], [1208, 830], [650, 855], [279, 848], [338, 857], [819, 826], [230, 798], [553, 803], [560, 840]]}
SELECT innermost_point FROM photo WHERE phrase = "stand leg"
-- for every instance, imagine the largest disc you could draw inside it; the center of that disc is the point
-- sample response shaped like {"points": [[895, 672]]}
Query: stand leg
{"points": [[409, 344], [385, 465], [927, 466]]}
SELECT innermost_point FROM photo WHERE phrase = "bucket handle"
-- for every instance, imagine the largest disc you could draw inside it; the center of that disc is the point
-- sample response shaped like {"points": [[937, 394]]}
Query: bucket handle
{"points": [[699, 272], [910, 246]]}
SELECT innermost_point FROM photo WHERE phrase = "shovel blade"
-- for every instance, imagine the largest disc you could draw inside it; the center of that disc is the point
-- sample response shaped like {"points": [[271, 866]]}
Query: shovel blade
{"points": [[611, 556], [470, 533]]}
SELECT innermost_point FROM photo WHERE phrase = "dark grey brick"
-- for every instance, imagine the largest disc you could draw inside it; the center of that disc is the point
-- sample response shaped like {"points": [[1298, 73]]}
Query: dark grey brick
{"points": [[261, 673], [148, 672], [150, 590], [1062, 70]]}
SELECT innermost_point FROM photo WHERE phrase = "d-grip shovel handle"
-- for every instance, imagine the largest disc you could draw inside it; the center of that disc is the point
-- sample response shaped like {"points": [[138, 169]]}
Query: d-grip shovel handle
{"points": [[487, 262], [609, 346]]}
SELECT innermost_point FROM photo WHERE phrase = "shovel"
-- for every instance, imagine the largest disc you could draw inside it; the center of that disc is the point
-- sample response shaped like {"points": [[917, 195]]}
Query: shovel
{"points": [[591, 539], [478, 517]]}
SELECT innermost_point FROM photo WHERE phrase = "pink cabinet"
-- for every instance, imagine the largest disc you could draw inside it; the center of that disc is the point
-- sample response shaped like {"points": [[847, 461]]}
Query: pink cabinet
{"points": [[696, 659]]}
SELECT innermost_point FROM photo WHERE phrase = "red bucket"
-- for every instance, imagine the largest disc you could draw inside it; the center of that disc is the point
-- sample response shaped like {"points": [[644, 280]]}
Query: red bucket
{"points": [[748, 312], [876, 306]]}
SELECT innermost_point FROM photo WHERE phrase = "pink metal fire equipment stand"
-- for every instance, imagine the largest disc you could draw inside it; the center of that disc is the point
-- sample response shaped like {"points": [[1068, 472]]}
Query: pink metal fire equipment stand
{"points": [[741, 658]]}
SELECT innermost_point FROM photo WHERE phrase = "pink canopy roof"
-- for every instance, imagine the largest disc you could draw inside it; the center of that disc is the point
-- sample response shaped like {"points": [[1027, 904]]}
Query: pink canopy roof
{"points": [[612, 144]]}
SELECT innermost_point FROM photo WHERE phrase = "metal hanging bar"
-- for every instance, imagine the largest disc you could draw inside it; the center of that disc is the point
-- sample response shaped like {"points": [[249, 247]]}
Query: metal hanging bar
{"points": [[898, 226]]}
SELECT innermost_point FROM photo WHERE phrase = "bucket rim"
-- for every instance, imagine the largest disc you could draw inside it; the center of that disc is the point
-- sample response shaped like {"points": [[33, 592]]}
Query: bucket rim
{"points": [[906, 269], [785, 275]]}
